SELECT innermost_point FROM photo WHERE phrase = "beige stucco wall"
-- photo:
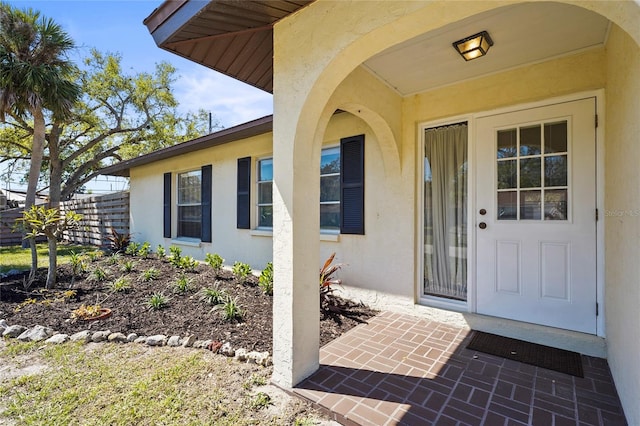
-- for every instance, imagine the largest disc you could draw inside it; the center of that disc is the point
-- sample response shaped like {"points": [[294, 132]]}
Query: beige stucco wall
{"points": [[622, 218], [231, 243], [347, 35], [392, 191], [384, 205]]}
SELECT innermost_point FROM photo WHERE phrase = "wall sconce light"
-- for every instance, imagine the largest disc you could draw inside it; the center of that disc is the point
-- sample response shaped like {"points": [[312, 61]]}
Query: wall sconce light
{"points": [[474, 46]]}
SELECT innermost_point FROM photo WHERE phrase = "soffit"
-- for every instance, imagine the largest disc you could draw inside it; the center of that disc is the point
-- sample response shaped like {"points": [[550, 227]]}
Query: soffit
{"points": [[523, 34], [234, 37]]}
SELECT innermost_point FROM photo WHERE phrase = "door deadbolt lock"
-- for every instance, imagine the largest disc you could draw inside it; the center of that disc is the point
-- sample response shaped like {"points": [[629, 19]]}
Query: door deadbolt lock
{"points": [[482, 225], [483, 212]]}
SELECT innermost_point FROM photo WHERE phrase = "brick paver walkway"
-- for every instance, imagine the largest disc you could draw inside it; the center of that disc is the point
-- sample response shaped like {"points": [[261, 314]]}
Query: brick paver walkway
{"points": [[402, 370]]}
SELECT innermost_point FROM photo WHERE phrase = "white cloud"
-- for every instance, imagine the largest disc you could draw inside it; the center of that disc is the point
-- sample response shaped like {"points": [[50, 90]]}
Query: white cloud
{"points": [[231, 101]]}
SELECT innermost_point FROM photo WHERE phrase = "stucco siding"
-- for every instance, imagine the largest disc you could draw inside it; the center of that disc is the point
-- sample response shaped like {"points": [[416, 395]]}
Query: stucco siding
{"points": [[562, 76], [622, 218], [231, 243]]}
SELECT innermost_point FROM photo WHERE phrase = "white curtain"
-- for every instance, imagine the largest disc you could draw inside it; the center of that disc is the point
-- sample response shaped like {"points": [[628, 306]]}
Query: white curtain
{"points": [[445, 230]]}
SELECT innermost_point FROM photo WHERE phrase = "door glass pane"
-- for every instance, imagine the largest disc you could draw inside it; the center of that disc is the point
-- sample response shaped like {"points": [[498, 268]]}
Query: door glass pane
{"points": [[445, 212], [507, 174], [530, 172], [555, 204], [507, 143], [507, 205], [530, 140], [555, 170], [530, 205], [555, 137]]}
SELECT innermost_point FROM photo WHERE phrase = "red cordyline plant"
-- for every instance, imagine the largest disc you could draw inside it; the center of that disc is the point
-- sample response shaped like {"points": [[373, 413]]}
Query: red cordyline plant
{"points": [[327, 301]]}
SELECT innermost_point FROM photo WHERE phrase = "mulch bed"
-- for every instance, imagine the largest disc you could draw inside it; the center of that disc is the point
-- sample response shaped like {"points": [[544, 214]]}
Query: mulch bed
{"points": [[185, 314]]}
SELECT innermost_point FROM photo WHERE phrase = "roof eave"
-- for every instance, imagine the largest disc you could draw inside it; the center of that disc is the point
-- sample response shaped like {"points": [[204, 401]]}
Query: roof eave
{"points": [[243, 131]]}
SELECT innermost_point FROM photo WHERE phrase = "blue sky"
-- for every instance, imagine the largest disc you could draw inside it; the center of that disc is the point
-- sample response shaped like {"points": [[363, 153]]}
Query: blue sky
{"points": [[116, 26]]}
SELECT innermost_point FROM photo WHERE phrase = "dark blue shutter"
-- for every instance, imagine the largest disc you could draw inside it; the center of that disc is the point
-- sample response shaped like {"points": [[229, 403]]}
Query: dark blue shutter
{"points": [[206, 190], [352, 185], [167, 205], [243, 208]]}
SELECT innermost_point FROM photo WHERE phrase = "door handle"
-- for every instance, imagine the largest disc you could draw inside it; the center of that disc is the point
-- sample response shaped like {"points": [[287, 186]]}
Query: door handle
{"points": [[482, 225]]}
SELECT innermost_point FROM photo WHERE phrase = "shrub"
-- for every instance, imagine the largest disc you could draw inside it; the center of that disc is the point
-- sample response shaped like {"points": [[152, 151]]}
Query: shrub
{"points": [[327, 299], [182, 285], [150, 274], [132, 248], [230, 310], [188, 263], [213, 295], [176, 254], [98, 275], [120, 285], [214, 260], [144, 249], [114, 259], [157, 301], [128, 266], [95, 255], [160, 252], [118, 242], [77, 266], [241, 271], [266, 279]]}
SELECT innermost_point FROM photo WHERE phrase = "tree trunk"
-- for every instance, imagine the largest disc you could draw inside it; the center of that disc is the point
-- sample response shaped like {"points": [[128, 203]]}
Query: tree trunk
{"points": [[53, 261], [55, 184], [55, 168], [37, 152]]}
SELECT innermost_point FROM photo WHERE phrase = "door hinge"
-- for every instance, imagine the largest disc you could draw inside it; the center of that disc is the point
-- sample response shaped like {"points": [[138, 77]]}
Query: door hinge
{"points": [[597, 309], [597, 215], [596, 121]]}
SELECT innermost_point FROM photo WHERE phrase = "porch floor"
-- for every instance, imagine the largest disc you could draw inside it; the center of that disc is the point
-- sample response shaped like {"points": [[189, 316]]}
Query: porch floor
{"points": [[403, 370]]}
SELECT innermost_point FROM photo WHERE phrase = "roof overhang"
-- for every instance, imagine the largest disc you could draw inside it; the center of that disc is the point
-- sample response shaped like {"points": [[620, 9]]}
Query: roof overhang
{"points": [[243, 131], [233, 37]]}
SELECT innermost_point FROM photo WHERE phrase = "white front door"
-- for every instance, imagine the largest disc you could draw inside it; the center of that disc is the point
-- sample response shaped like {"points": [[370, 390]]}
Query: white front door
{"points": [[536, 215]]}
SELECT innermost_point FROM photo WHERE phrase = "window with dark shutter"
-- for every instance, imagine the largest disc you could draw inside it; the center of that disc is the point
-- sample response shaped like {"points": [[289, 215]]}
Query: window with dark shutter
{"points": [[167, 206], [352, 185], [243, 208], [206, 195]]}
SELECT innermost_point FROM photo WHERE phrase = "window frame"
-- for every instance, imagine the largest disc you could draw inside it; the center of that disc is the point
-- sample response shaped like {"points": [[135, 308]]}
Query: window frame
{"points": [[259, 184], [350, 202], [338, 202], [179, 205]]}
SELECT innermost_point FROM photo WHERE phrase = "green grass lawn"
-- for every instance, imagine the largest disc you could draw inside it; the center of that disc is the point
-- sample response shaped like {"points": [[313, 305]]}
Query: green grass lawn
{"points": [[15, 257], [116, 384]]}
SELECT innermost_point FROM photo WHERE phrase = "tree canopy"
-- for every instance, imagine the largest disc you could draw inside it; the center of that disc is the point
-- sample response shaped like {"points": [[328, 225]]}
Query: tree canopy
{"points": [[119, 116]]}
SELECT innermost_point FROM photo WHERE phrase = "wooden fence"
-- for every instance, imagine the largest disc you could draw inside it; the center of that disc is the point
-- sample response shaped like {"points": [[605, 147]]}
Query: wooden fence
{"points": [[100, 214], [10, 232]]}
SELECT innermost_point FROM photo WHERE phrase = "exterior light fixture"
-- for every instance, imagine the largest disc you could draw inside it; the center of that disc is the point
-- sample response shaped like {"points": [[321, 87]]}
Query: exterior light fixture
{"points": [[474, 46]]}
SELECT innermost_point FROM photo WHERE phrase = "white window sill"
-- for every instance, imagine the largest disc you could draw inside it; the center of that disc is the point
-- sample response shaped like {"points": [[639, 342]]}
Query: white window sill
{"points": [[190, 242], [334, 237], [261, 232], [269, 233]]}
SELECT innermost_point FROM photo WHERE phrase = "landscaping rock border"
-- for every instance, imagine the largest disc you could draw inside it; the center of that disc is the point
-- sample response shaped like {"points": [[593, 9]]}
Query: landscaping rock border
{"points": [[39, 333]]}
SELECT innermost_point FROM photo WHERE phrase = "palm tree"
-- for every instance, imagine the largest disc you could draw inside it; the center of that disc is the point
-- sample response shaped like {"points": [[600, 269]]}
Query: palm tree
{"points": [[35, 76]]}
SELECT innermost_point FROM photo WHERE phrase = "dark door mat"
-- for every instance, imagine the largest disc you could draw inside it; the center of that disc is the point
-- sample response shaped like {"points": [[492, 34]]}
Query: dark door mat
{"points": [[530, 353]]}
